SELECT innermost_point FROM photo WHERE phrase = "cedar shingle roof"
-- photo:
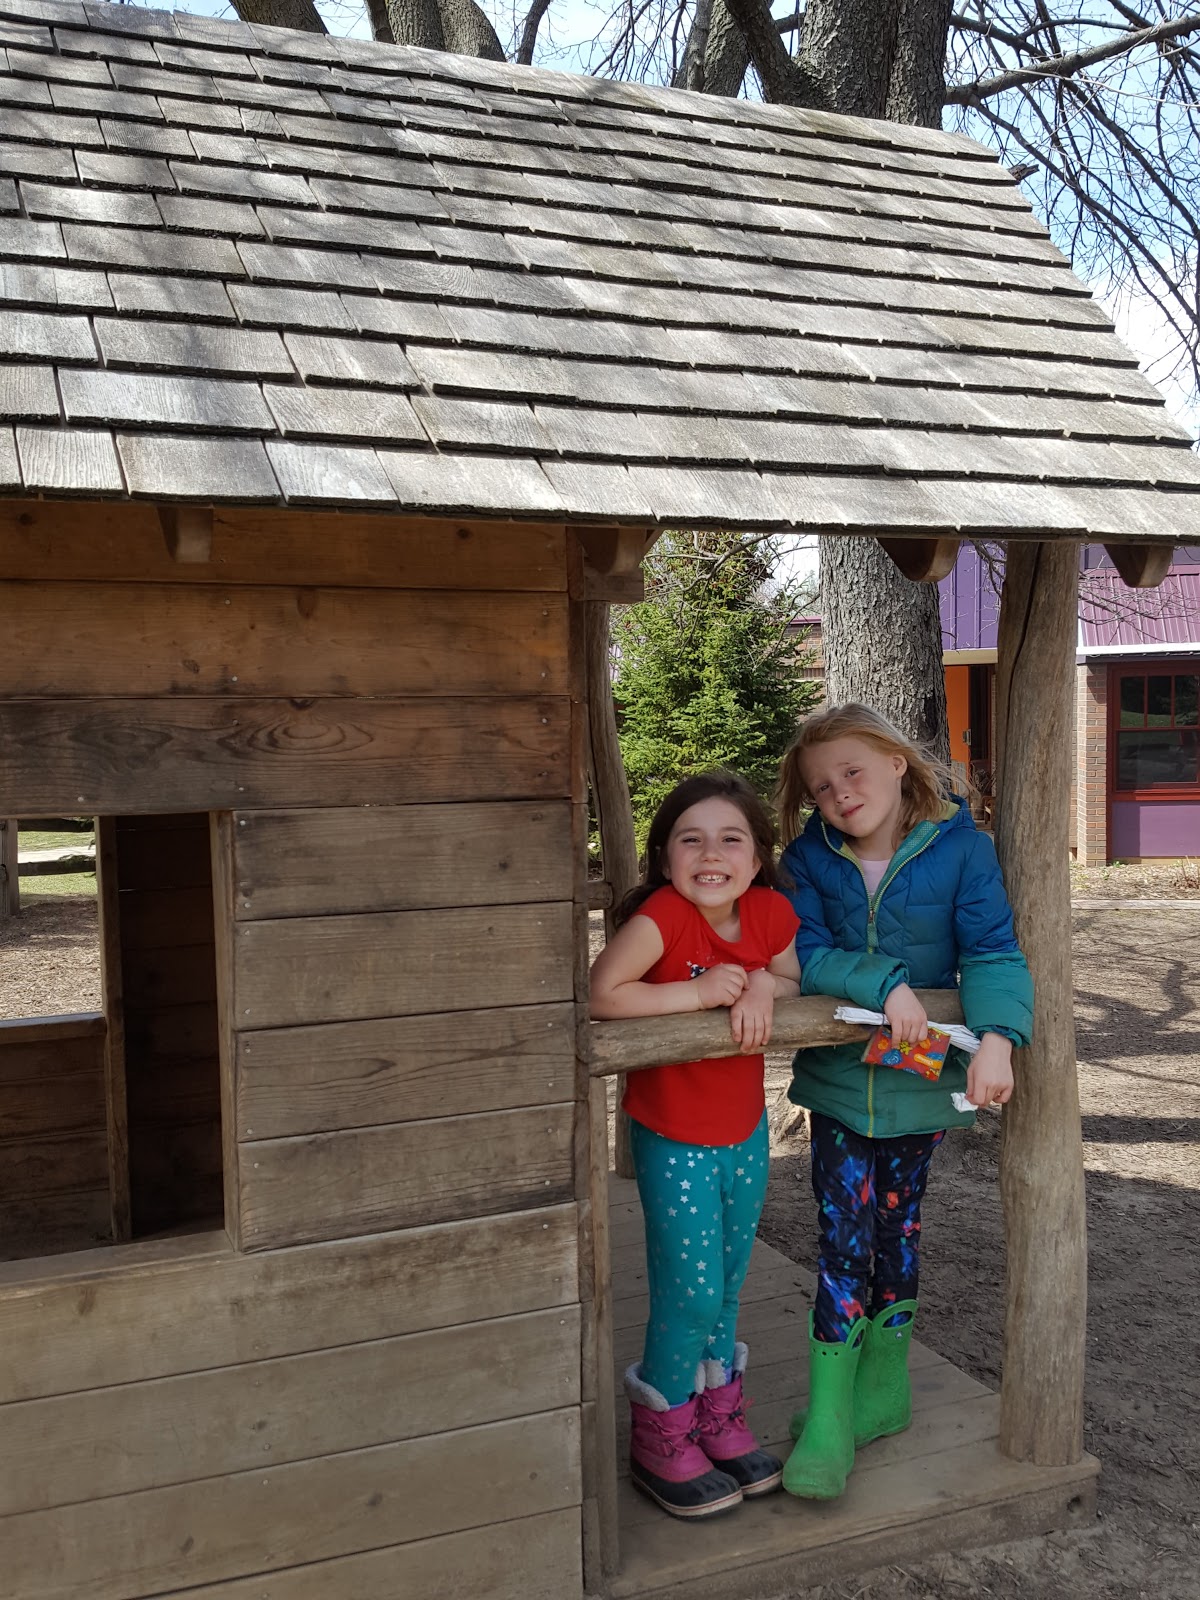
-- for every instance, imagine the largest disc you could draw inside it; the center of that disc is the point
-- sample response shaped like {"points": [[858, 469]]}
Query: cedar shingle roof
{"points": [[247, 264]]}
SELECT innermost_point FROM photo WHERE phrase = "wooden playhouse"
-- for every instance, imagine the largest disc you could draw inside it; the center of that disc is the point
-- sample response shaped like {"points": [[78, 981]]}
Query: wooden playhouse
{"points": [[341, 387]]}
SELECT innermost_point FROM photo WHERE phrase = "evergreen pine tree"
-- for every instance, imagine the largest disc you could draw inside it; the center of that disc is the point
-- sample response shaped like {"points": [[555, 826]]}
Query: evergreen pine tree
{"points": [[709, 671]]}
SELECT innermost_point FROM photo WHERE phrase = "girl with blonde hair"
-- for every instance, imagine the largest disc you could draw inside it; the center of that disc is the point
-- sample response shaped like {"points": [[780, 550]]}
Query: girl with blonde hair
{"points": [[895, 890]]}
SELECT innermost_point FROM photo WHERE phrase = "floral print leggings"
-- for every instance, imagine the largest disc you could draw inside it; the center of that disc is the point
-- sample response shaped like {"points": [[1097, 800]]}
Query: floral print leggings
{"points": [[869, 1194]]}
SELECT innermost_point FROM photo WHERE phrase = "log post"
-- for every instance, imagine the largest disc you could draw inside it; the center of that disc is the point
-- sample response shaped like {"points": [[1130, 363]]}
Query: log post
{"points": [[1041, 1161], [610, 795], [10, 869]]}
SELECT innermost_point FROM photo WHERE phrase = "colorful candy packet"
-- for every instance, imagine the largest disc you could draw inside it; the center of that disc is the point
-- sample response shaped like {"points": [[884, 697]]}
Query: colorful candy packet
{"points": [[926, 1057]]}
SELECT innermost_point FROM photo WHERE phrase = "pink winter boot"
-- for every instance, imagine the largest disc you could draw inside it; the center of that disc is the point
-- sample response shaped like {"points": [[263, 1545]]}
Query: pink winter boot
{"points": [[665, 1462], [723, 1433]]}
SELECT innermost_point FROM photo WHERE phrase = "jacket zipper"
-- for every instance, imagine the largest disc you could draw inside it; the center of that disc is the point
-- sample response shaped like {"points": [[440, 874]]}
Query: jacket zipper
{"points": [[873, 938]]}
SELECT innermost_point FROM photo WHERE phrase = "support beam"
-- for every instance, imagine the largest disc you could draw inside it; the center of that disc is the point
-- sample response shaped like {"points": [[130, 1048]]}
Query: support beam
{"points": [[615, 589], [188, 531], [1041, 1163], [112, 987], [10, 872], [1142, 566], [614, 551], [610, 797], [923, 560]]}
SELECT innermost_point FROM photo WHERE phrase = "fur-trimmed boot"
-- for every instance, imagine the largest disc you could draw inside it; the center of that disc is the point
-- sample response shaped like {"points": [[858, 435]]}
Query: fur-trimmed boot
{"points": [[882, 1391], [724, 1435], [821, 1461], [665, 1462]]}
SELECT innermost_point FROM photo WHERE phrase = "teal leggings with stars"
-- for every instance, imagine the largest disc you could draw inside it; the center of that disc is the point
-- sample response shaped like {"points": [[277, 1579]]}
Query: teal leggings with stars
{"points": [[701, 1204]]}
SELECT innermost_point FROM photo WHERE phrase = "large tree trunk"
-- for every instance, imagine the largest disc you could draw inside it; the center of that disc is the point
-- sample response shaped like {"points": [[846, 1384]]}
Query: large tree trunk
{"points": [[726, 57], [882, 634], [882, 637], [846, 47], [299, 14]]}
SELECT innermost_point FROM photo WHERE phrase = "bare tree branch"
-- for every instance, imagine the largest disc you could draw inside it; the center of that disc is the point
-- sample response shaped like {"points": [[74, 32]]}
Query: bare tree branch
{"points": [[529, 32], [991, 30], [381, 27], [783, 80], [1066, 65], [697, 46]]}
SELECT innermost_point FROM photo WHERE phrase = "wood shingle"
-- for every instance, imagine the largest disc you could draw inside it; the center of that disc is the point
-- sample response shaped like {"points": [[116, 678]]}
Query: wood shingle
{"points": [[601, 300]]}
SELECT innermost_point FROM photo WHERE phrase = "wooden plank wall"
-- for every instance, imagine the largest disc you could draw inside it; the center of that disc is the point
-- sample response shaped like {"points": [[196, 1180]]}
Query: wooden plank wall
{"points": [[53, 1148], [372, 1384]]}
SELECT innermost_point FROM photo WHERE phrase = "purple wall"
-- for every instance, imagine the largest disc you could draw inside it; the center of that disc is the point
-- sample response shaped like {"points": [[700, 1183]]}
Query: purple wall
{"points": [[969, 603], [1154, 828]]}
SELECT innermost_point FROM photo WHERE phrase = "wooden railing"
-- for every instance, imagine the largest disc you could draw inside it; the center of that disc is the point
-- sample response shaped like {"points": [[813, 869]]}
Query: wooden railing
{"points": [[636, 1042]]}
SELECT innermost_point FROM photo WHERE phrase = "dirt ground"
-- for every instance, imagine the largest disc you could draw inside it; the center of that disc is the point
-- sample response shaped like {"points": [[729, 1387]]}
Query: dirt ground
{"points": [[1138, 1019]]}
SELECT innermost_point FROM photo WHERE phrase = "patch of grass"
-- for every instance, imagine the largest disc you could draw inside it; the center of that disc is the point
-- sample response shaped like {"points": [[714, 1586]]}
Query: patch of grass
{"points": [[52, 886]]}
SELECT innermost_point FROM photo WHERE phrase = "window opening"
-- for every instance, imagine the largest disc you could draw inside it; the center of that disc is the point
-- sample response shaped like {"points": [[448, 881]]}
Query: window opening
{"points": [[110, 1123]]}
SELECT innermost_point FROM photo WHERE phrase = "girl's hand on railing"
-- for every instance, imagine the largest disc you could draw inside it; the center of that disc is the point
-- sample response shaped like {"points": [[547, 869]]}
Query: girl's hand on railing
{"points": [[990, 1075], [720, 986], [906, 1016], [751, 1014]]}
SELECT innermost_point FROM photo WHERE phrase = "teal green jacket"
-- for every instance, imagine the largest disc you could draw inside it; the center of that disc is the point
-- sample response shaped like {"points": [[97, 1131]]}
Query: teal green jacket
{"points": [[940, 919]]}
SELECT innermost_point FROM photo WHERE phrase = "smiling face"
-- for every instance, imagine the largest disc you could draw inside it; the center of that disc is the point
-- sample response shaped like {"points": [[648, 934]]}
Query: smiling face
{"points": [[856, 788], [711, 857]]}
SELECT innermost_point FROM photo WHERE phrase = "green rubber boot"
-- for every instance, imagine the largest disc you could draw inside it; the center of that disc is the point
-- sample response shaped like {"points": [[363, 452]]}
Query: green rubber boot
{"points": [[882, 1392], [821, 1460]]}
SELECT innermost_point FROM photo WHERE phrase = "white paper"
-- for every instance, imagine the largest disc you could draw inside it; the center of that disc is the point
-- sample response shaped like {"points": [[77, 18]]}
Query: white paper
{"points": [[960, 1036]]}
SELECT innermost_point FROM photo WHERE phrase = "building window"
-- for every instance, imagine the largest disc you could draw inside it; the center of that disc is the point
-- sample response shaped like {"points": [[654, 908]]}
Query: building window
{"points": [[1157, 734]]}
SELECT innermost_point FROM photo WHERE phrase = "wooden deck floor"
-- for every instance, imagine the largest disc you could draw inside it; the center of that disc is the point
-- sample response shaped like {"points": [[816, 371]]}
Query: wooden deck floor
{"points": [[943, 1485]]}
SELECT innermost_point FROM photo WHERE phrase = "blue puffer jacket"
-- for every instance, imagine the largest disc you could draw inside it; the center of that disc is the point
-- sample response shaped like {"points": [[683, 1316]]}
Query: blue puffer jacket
{"points": [[940, 919]]}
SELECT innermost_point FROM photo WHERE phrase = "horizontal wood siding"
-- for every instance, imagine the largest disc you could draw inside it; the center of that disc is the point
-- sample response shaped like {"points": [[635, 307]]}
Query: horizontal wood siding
{"points": [[392, 858], [164, 1539], [53, 1143], [154, 1310], [201, 1425], [535, 1558], [75, 639], [365, 1180], [192, 1420], [398, 963], [130, 757], [109, 543], [402, 1069]]}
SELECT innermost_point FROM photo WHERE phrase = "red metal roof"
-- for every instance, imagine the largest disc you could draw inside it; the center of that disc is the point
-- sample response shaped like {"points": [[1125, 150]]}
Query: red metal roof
{"points": [[1116, 620]]}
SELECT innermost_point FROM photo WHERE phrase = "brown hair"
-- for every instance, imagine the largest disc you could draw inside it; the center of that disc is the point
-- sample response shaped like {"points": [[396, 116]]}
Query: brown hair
{"points": [[718, 785], [923, 788]]}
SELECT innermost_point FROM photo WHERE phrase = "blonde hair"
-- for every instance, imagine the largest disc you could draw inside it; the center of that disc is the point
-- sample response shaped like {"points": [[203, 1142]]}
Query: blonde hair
{"points": [[923, 788]]}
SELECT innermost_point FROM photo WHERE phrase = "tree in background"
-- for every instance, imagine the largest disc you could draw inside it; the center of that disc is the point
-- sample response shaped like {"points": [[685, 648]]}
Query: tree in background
{"points": [[709, 668]]}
